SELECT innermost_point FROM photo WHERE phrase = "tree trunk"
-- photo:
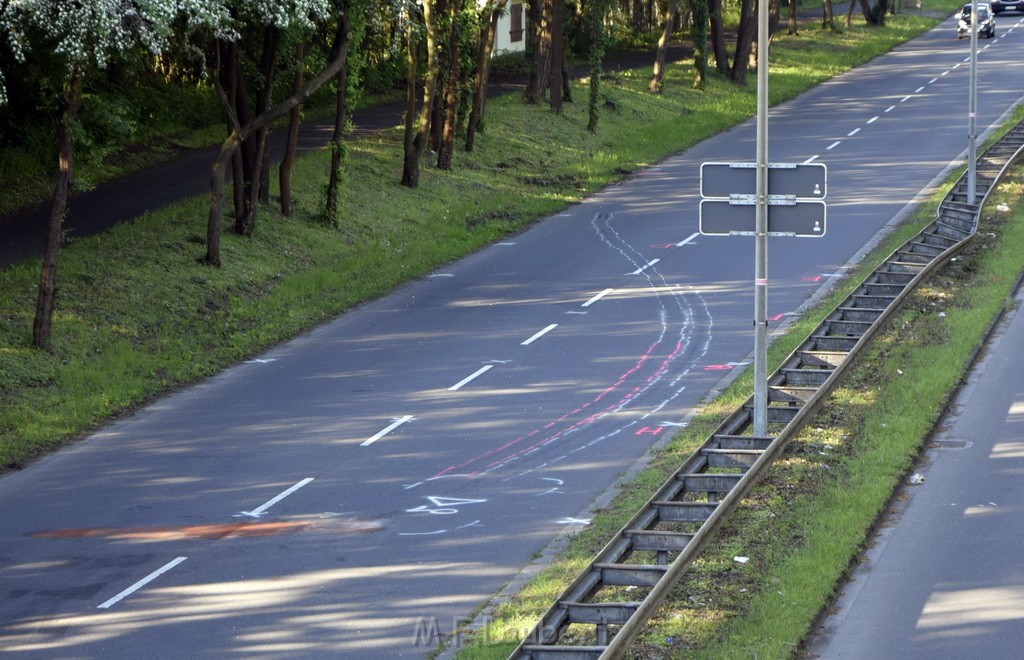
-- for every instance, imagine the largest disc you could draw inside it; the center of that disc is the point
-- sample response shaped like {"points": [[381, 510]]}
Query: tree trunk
{"points": [[488, 31], [718, 45], [699, 35], [792, 17], [746, 33], [255, 175], [284, 174], [557, 75], [878, 13], [46, 299], [411, 177], [410, 165], [595, 23], [242, 133], [340, 119], [828, 18], [659, 58], [540, 19], [451, 101]]}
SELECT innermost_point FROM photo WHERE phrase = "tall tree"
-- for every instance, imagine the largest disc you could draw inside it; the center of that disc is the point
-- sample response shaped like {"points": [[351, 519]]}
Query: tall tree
{"points": [[351, 21], [746, 33], [415, 146], [594, 12], [718, 36], [284, 173], [446, 144], [539, 50], [489, 15], [660, 54], [699, 36], [81, 37]]}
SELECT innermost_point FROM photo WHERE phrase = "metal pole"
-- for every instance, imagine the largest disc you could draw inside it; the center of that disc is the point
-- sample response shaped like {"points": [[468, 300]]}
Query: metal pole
{"points": [[972, 112], [761, 229]]}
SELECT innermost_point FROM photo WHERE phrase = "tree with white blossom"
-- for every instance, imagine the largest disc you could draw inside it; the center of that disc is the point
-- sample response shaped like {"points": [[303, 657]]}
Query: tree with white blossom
{"points": [[83, 37]]}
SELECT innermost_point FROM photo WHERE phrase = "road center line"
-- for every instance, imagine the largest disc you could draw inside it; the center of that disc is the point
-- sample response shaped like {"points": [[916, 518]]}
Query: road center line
{"points": [[256, 513], [833, 145], [688, 239], [478, 372], [645, 266], [539, 334], [597, 297], [919, 90], [890, 108], [811, 159], [873, 119], [383, 432], [853, 132], [906, 98], [141, 583]]}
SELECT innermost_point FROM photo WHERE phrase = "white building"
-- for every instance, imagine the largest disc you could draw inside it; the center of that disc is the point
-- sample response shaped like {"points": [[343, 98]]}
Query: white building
{"points": [[511, 36]]}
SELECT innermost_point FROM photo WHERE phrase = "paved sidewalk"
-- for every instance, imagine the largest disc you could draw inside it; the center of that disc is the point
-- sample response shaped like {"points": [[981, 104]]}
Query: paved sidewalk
{"points": [[944, 576], [23, 234]]}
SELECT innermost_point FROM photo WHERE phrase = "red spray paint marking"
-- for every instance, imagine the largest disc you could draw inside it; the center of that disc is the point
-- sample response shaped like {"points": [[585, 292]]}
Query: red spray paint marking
{"points": [[663, 367]]}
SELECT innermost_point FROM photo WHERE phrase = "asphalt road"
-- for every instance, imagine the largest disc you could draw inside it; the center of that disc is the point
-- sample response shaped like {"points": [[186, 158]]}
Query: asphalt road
{"points": [[362, 488]]}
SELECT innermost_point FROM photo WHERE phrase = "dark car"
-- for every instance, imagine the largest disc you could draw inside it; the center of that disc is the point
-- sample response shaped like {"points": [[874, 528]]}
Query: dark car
{"points": [[986, 22], [999, 6]]}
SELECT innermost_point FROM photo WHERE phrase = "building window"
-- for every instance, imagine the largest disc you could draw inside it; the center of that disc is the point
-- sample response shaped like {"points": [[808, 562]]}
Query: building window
{"points": [[515, 32]]}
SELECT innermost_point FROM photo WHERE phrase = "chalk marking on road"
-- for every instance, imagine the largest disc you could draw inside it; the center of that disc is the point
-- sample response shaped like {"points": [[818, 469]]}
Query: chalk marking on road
{"points": [[906, 98], [597, 297], [539, 334], [873, 119], [140, 584], [833, 145], [890, 108], [256, 513], [645, 267], [383, 432], [440, 531], [507, 243], [442, 275], [688, 239], [573, 521], [261, 361], [853, 132], [482, 370]]}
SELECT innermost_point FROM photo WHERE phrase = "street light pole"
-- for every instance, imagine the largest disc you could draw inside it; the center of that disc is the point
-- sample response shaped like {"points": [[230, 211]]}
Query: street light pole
{"points": [[972, 112], [761, 230]]}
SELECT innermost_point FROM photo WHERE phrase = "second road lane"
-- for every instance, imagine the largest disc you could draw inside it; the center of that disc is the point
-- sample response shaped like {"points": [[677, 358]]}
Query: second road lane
{"points": [[363, 488]]}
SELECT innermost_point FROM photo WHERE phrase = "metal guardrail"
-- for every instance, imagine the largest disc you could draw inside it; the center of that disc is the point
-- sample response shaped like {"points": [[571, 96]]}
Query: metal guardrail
{"points": [[656, 547]]}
